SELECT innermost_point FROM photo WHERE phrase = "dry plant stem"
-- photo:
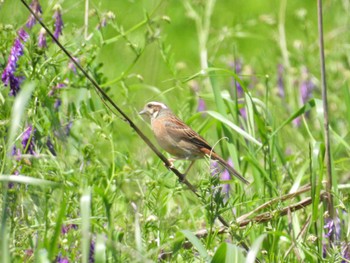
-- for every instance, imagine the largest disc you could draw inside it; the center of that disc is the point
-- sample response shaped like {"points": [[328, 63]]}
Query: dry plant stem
{"points": [[328, 159], [267, 216], [277, 199]]}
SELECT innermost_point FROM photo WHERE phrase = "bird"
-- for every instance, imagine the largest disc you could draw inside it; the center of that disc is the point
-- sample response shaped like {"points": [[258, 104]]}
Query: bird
{"points": [[179, 140]]}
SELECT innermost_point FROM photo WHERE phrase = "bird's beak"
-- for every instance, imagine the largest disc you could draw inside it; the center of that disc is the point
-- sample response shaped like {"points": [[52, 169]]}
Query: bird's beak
{"points": [[142, 112]]}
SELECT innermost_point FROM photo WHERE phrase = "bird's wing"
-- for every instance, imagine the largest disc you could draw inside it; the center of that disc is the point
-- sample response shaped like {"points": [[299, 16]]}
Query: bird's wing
{"points": [[178, 129]]}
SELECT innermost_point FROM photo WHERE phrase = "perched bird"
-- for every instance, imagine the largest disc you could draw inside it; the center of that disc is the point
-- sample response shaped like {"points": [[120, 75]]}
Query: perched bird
{"points": [[178, 139]]}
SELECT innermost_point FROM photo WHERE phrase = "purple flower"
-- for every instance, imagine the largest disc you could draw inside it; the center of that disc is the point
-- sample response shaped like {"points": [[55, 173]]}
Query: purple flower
{"points": [[92, 252], [35, 6], [60, 259], [280, 81], [66, 228], [214, 168], [54, 88], [58, 22], [28, 140], [201, 106], [50, 146], [237, 65], [346, 252], [8, 76], [331, 226], [68, 127], [306, 87], [16, 172], [225, 176], [42, 38], [72, 66], [243, 113], [23, 35], [297, 122], [57, 103]]}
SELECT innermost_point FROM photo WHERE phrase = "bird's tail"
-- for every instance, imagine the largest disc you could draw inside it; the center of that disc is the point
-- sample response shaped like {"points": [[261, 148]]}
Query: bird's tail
{"points": [[230, 169]]}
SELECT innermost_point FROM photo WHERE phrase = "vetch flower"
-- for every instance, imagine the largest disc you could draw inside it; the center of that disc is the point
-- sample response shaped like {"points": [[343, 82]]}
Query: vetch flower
{"points": [[225, 176], [50, 146], [8, 76], [58, 21], [28, 140], [68, 127], [42, 38], [35, 6], [57, 103], [201, 106], [60, 259], [92, 252], [306, 86], [72, 66], [65, 228], [237, 65], [54, 88]]}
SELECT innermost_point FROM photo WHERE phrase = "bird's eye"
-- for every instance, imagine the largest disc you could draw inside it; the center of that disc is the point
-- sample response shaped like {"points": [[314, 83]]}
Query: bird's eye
{"points": [[149, 106]]}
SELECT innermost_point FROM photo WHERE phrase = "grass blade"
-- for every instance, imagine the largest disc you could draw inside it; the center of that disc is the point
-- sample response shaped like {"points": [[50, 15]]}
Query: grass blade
{"points": [[85, 203], [197, 244], [227, 253]]}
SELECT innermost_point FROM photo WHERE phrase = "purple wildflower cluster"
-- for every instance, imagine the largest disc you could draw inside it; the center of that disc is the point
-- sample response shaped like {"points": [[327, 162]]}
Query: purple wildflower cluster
{"points": [[35, 6], [58, 22], [64, 230], [55, 88], [224, 176], [306, 87], [237, 66], [42, 38], [28, 140], [8, 76], [333, 227], [72, 66]]}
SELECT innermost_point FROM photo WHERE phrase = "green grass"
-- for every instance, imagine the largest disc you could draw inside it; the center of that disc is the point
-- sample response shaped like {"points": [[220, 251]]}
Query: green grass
{"points": [[104, 196]]}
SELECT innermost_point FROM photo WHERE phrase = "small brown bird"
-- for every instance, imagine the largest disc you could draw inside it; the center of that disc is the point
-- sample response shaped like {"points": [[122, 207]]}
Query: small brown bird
{"points": [[178, 139]]}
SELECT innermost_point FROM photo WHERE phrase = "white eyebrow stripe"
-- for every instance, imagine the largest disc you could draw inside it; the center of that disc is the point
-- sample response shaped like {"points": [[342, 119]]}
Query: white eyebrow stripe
{"points": [[155, 103]]}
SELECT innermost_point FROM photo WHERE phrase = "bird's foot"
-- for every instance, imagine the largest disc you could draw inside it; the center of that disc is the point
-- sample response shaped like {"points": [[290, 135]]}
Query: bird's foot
{"points": [[171, 161]]}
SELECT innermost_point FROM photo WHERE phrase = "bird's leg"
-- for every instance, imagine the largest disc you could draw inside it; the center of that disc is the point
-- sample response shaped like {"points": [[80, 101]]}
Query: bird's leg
{"points": [[189, 167]]}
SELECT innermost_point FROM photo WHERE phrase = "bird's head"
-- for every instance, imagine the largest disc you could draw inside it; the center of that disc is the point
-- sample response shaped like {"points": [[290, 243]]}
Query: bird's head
{"points": [[153, 108]]}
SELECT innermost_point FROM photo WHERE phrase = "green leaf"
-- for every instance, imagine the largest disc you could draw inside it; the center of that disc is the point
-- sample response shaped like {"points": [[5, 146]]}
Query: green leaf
{"points": [[26, 180], [228, 253], [85, 206], [100, 249], [233, 126], [197, 244], [255, 248], [310, 104]]}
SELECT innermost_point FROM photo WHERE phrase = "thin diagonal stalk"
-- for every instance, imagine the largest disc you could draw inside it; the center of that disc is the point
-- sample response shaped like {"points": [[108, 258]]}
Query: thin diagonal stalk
{"points": [[328, 159]]}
